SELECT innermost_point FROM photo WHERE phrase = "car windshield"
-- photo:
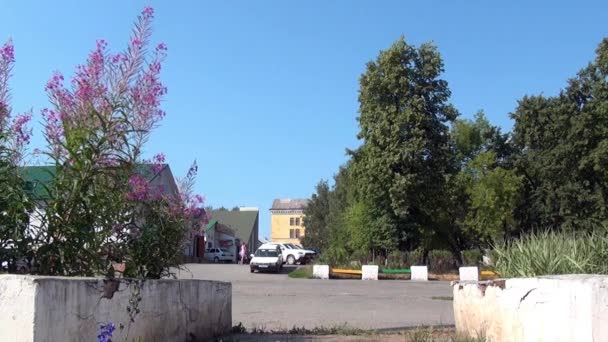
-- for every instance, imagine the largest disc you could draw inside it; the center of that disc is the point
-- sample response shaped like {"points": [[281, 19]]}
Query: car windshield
{"points": [[291, 246], [266, 253]]}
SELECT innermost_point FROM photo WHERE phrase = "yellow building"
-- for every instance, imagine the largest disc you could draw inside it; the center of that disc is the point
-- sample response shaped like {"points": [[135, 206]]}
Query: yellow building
{"points": [[287, 220]]}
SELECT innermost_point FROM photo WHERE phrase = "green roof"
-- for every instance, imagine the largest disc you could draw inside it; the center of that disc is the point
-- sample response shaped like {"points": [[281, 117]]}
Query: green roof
{"points": [[37, 177], [211, 224], [243, 222]]}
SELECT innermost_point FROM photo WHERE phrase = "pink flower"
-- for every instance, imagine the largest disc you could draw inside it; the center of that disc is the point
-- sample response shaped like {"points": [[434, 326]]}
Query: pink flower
{"points": [[148, 12], [7, 58], [136, 42], [139, 189], [21, 130], [158, 162], [7, 52]]}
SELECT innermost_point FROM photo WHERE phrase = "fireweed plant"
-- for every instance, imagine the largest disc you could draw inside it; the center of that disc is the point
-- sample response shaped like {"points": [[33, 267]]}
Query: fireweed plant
{"points": [[15, 237], [102, 207]]}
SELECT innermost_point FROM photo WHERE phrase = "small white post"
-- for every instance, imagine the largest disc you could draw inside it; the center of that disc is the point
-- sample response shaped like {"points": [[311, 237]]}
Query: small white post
{"points": [[469, 273], [320, 271], [420, 273], [369, 272]]}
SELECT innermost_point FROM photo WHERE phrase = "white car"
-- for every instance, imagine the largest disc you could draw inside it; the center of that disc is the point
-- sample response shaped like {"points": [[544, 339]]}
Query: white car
{"points": [[218, 254], [266, 258], [292, 254]]}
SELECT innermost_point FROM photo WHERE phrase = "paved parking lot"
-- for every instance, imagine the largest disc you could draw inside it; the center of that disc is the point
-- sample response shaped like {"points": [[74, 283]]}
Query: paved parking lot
{"points": [[275, 301]]}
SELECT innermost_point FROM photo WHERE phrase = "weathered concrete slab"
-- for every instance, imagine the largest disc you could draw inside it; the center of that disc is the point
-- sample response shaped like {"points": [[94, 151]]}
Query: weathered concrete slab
{"points": [[320, 271], [369, 272], [420, 273], [469, 273], [34, 308], [552, 308]]}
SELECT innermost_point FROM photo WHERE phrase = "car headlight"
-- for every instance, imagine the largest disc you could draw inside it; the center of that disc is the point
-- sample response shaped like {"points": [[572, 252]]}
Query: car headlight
{"points": [[300, 253]]}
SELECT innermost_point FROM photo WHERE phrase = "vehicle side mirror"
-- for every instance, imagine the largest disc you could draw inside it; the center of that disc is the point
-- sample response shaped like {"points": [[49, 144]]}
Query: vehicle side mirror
{"points": [[251, 255]]}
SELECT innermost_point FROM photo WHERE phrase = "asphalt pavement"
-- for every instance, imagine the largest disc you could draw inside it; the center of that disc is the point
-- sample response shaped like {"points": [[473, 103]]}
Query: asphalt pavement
{"points": [[276, 302]]}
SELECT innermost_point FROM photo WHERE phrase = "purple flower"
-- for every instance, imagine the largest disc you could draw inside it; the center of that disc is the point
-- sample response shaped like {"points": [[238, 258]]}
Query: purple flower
{"points": [[105, 332]]}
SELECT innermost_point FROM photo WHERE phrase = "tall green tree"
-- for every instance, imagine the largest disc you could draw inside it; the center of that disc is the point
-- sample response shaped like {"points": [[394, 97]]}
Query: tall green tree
{"points": [[316, 217], [485, 192], [402, 164], [494, 192], [564, 159]]}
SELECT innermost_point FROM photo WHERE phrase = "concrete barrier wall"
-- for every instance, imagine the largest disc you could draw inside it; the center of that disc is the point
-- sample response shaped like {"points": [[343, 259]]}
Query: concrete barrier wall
{"points": [[320, 271], [369, 272], [552, 308], [36, 308]]}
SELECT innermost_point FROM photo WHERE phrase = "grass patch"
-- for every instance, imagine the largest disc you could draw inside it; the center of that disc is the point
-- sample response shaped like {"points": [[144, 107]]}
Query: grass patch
{"points": [[304, 272], [442, 298]]}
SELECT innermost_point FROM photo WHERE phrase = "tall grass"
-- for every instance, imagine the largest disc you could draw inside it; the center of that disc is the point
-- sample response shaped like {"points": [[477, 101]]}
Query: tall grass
{"points": [[553, 253]]}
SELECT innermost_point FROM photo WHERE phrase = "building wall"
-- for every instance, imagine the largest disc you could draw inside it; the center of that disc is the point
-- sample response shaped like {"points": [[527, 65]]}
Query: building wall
{"points": [[283, 227]]}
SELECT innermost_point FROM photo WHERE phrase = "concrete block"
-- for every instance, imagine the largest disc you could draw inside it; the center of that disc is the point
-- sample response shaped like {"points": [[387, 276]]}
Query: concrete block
{"points": [[552, 308], [320, 271], [34, 308], [487, 260], [469, 273], [369, 272], [420, 273]]}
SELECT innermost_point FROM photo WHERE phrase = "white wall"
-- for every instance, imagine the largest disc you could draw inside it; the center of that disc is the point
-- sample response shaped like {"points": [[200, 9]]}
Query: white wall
{"points": [[553, 308], [70, 309]]}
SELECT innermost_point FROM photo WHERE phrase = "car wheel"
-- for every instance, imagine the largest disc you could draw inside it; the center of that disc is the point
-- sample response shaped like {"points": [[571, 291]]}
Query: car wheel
{"points": [[291, 260], [251, 270], [216, 260]]}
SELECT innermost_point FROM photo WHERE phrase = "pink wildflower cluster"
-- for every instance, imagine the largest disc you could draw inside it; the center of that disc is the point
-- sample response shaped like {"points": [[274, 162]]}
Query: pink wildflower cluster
{"points": [[121, 91], [191, 203], [22, 133], [158, 162], [139, 189], [18, 131], [7, 58]]}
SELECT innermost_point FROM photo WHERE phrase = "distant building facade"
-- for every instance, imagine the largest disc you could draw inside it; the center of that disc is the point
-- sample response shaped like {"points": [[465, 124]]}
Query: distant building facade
{"points": [[287, 220]]}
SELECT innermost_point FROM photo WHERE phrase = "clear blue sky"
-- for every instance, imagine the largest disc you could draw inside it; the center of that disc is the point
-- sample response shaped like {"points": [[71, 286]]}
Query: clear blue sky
{"points": [[264, 93]]}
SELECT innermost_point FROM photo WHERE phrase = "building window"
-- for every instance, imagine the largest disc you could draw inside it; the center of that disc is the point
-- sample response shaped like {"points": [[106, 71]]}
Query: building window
{"points": [[292, 233], [291, 221], [297, 233], [297, 221]]}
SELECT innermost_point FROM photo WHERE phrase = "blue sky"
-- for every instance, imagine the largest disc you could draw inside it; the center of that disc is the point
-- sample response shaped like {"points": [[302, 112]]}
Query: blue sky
{"points": [[264, 93]]}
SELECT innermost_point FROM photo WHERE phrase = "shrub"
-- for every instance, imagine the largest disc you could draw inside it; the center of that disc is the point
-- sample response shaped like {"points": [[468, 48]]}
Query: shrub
{"points": [[472, 257], [553, 253], [415, 257], [397, 259], [441, 261]]}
